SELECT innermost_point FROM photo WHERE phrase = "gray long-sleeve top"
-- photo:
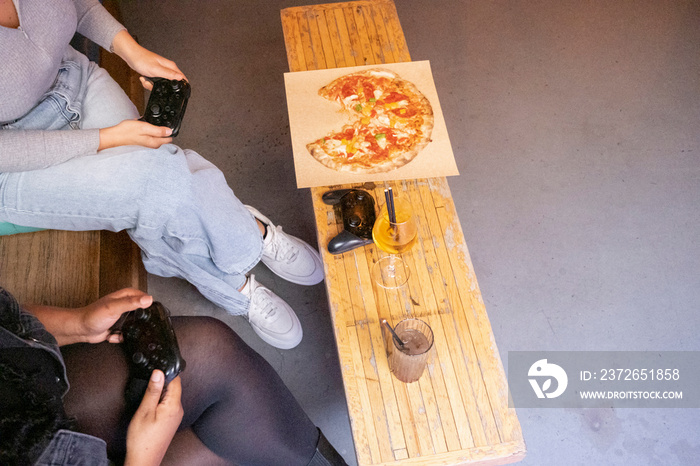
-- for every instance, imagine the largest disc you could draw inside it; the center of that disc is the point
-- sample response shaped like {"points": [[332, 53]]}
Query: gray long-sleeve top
{"points": [[29, 60]]}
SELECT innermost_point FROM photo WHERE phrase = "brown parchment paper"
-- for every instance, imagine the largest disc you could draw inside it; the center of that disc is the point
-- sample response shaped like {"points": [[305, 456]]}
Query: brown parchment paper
{"points": [[312, 117]]}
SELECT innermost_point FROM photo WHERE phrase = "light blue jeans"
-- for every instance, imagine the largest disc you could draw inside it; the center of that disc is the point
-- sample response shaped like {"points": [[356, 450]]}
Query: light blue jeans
{"points": [[173, 203]]}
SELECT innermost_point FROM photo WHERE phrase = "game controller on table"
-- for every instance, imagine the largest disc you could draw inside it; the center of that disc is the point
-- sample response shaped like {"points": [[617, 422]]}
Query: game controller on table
{"points": [[167, 103], [357, 212], [149, 343]]}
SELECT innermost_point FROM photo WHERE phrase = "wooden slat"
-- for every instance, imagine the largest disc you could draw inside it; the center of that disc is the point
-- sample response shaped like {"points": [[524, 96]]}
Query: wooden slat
{"points": [[475, 314], [51, 267], [355, 44], [457, 413], [120, 264], [309, 51], [381, 43], [323, 57], [395, 37], [293, 41], [387, 407], [463, 407], [453, 415], [478, 407], [324, 32], [348, 349], [368, 438], [342, 45], [367, 54], [384, 410]]}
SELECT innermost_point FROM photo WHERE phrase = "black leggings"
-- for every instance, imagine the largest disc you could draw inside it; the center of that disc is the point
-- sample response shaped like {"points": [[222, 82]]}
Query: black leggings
{"points": [[237, 409]]}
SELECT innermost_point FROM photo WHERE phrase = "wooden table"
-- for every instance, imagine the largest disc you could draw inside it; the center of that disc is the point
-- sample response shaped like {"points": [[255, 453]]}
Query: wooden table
{"points": [[457, 413]]}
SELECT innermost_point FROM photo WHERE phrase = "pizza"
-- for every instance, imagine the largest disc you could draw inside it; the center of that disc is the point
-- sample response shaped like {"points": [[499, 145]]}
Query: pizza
{"points": [[390, 122]]}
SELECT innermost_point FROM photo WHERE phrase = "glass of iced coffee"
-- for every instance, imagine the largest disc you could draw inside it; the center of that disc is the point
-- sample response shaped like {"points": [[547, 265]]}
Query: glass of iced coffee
{"points": [[408, 358]]}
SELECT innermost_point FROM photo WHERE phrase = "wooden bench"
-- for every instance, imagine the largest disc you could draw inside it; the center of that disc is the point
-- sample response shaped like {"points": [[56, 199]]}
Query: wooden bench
{"points": [[73, 268], [457, 413]]}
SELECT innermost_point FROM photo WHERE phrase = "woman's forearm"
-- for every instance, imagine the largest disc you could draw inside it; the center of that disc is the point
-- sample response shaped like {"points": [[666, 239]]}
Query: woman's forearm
{"points": [[65, 324], [92, 323], [142, 60], [126, 47]]}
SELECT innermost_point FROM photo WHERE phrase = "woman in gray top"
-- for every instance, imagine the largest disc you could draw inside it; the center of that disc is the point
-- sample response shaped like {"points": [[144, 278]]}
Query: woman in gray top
{"points": [[74, 156]]}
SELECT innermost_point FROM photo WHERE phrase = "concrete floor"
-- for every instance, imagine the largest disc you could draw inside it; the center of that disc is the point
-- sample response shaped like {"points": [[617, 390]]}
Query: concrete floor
{"points": [[575, 127]]}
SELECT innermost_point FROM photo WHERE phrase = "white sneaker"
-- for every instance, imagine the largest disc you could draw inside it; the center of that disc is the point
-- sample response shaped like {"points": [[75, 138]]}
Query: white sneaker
{"points": [[271, 318], [288, 256]]}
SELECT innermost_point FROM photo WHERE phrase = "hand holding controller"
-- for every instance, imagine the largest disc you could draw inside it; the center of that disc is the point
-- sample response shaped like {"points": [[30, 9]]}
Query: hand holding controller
{"points": [[167, 103], [150, 343]]}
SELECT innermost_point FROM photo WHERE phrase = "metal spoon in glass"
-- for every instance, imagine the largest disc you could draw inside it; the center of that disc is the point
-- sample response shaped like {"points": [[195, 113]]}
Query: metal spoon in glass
{"points": [[393, 334]]}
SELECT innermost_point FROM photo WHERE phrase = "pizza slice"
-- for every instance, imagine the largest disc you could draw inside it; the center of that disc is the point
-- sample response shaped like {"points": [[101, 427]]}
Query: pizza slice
{"points": [[363, 149]]}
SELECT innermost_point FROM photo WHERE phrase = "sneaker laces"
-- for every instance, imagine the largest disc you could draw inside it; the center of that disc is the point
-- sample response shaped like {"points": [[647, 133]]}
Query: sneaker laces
{"points": [[266, 306], [260, 299], [280, 247]]}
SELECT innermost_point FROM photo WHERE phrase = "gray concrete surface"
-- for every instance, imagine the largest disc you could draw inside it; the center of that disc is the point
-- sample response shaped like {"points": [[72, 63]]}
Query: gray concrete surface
{"points": [[575, 127]]}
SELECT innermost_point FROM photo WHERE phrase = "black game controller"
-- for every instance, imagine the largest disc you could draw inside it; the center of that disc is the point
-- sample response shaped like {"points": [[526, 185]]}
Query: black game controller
{"points": [[167, 103], [150, 343], [357, 211]]}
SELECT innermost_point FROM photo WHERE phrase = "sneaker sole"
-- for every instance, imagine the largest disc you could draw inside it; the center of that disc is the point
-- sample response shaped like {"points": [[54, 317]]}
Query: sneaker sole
{"points": [[276, 342]]}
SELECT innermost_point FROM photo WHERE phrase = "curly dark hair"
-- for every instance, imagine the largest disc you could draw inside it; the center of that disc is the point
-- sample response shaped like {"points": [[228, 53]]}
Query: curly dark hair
{"points": [[26, 429]]}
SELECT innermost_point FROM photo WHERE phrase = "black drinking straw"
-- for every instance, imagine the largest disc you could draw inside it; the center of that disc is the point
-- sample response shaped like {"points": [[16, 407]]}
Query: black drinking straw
{"points": [[389, 194], [396, 338]]}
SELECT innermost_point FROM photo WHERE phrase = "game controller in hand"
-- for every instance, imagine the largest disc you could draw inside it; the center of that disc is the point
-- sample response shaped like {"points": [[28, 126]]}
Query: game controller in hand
{"points": [[150, 343], [357, 211], [167, 103]]}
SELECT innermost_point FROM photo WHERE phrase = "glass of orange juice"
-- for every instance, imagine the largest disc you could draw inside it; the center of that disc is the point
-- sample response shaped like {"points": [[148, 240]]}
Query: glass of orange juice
{"points": [[394, 236]]}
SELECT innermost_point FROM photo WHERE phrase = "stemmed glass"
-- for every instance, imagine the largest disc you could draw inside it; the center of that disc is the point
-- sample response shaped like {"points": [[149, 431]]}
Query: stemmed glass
{"points": [[395, 231]]}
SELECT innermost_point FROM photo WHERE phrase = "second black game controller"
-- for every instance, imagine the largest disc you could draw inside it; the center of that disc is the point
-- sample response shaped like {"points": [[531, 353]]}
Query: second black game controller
{"points": [[357, 212], [150, 343], [167, 103]]}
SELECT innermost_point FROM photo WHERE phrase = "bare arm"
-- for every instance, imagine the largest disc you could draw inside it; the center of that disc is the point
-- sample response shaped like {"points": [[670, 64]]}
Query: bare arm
{"points": [[92, 323], [142, 60], [134, 132]]}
